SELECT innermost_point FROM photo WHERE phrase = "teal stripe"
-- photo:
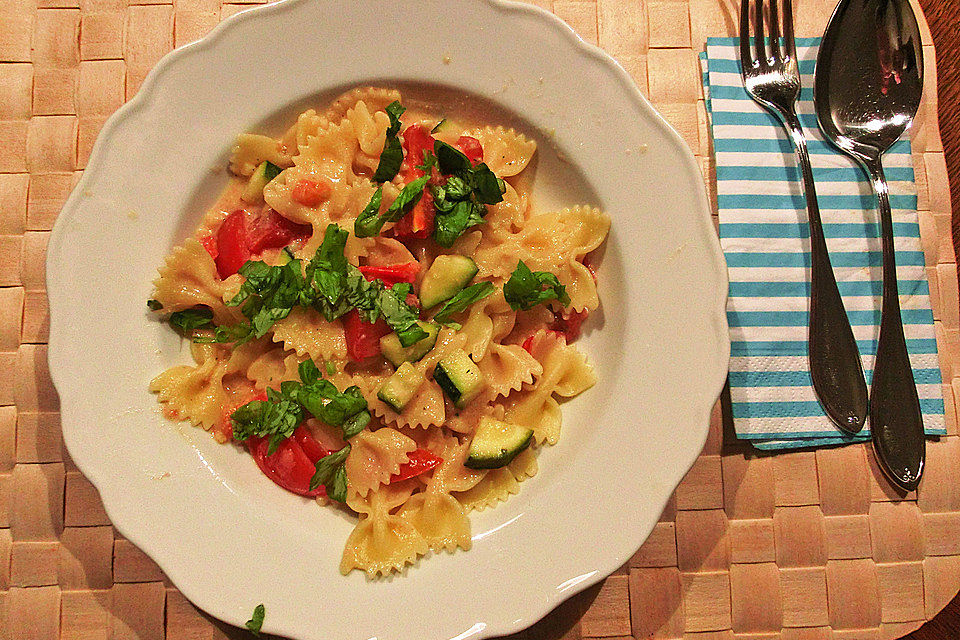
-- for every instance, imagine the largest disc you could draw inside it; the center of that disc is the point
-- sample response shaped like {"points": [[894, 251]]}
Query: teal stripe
{"points": [[799, 202], [747, 348], [783, 145], [802, 289], [727, 92], [808, 120], [802, 378], [806, 438], [791, 172], [798, 229], [837, 258], [858, 317], [726, 65], [807, 408], [732, 41]]}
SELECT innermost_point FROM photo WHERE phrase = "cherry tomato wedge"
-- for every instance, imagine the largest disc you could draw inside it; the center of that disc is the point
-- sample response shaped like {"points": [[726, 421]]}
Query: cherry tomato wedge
{"points": [[363, 338], [391, 275], [293, 464], [272, 231], [528, 343], [232, 249], [310, 193], [569, 324], [209, 243], [419, 222], [242, 235], [471, 148], [418, 461], [416, 141]]}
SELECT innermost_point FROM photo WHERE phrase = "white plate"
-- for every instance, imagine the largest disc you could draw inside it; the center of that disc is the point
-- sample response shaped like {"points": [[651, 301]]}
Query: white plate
{"points": [[225, 535]]}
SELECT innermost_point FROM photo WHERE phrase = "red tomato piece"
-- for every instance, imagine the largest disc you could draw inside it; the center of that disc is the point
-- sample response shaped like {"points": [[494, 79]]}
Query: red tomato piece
{"points": [[232, 249], [225, 427], [418, 461], [418, 223], [568, 324], [209, 243], [393, 274], [416, 141], [471, 148], [528, 343], [290, 466], [363, 338], [272, 231], [310, 193]]}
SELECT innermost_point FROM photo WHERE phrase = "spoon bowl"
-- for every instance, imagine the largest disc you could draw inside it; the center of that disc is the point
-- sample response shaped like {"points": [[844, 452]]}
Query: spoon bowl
{"points": [[869, 75], [867, 88]]}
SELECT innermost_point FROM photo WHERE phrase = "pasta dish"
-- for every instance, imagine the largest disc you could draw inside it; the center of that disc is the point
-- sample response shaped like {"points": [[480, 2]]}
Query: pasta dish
{"points": [[381, 317]]}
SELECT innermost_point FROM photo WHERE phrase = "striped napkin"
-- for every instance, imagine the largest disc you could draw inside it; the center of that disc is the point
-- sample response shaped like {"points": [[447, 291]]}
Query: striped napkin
{"points": [[764, 236]]}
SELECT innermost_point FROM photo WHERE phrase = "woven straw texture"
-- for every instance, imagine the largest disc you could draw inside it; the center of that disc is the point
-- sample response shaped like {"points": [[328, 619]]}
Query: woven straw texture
{"points": [[801, 546]]}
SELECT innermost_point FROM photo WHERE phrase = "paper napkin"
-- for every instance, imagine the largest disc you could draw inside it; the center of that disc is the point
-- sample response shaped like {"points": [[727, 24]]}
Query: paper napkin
{"points": [[765, 238]]}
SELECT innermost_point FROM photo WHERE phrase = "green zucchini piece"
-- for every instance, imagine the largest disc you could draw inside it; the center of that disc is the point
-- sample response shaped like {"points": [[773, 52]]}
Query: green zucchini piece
{"points": [[445, 278], [496, 444], [397, 354], [399, 388], [253, 192], [459, 377]]}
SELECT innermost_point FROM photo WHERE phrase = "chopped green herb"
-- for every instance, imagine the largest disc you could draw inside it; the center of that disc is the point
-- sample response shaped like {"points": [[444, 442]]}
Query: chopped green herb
{"points": [[401, 317], [392, 155], [276, 417], [451, 159], [453, 221], [368, 222], [255, 623], [460, 202], [439, 125], [465, 298], [154, 305], [526, 289], [331, 368], [331, 474], [189, 320]]}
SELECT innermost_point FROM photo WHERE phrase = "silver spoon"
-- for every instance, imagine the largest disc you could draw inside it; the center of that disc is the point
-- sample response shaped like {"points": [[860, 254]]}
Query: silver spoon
{"points": [[867, 88]]}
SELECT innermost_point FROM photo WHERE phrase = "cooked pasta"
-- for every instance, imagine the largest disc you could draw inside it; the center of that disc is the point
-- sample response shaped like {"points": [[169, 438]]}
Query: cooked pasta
{"points": [[383, 319]]}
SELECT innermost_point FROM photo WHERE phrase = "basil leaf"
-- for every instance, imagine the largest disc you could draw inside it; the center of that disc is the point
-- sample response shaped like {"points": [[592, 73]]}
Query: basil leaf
{"points": [[337, 488], [326, 471], [327, 271], [390, 160], [401, 317], [450, 225], [309, 373], [363, 295], [457, 188], [276, 418], [451, 160], [255, 623], [489, 188], [394, 111], [154, 305], [429, 162], [368, 223], [463, 299], [526, 289], [355, 424], [189, 320], [407, 197], [331, 368]]}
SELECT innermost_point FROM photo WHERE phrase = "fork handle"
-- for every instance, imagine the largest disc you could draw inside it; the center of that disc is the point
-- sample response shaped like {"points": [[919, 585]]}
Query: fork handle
{"points": [[835, 366]]}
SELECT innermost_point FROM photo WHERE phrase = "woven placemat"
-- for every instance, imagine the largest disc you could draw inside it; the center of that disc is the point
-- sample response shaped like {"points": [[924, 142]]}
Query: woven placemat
{"points": [[800, 546]]}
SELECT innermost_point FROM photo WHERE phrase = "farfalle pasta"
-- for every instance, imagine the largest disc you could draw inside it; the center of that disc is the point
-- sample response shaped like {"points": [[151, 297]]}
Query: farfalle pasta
{"points": [[383, 319]]}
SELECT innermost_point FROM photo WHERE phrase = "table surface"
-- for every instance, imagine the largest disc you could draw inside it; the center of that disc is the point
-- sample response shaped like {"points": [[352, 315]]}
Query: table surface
{"points": [[943, 17]]}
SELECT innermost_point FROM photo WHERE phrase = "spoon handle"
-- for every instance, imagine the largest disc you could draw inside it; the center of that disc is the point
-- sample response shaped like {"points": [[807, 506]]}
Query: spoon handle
{"points": [[835, 366], [895, 417]]}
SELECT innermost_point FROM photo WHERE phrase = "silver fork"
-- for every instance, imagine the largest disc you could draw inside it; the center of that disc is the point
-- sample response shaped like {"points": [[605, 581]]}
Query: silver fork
{"points": [[771, 76]]}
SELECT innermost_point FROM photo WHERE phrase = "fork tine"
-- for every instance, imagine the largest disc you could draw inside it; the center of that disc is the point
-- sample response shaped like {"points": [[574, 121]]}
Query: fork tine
{"points": [[746, 60], [774, 30], [758, 38], [788, 43]]}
